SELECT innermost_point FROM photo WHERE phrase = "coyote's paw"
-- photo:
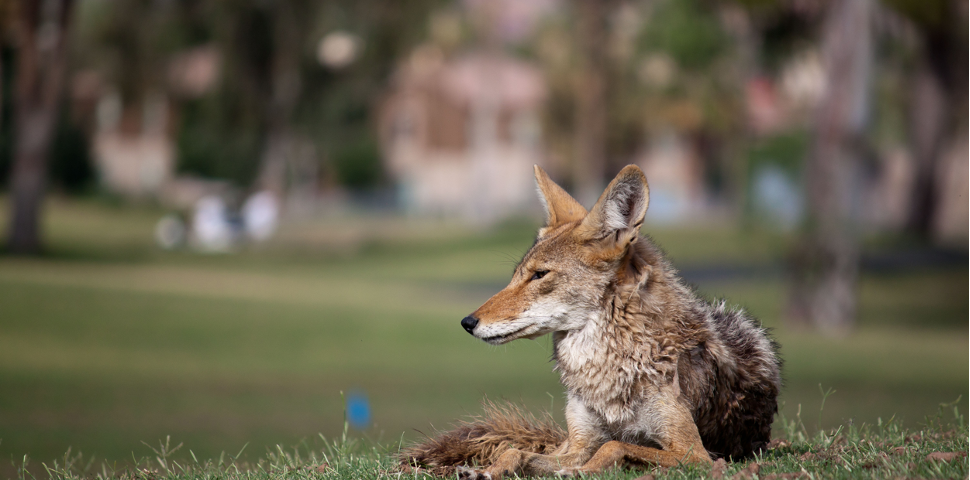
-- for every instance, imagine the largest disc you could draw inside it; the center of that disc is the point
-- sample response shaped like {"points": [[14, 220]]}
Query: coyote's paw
{"points": [[465, 473], [568, 473]]}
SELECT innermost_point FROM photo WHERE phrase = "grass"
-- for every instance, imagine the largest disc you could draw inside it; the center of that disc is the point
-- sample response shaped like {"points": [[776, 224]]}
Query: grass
{"points": [[936, 450], [107, 342]]}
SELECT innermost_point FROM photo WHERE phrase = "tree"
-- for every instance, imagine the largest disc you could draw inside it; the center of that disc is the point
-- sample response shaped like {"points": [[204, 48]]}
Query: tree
{"points": [[937, 81], [41, 61], [591, 115], [826, 267], [301, 115]]}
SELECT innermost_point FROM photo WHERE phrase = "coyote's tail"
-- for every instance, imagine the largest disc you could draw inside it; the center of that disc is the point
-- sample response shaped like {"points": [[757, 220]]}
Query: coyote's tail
{"points": [[480, 440]]}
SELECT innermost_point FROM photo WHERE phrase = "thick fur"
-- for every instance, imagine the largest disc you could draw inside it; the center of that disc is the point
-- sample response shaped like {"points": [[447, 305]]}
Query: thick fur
{"points": [[653, 373], [482, 440]]}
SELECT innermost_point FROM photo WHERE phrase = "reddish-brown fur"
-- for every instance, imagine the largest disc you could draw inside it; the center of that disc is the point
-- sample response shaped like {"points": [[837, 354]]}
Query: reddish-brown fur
{"points": [[482, 440], [653, 373]]}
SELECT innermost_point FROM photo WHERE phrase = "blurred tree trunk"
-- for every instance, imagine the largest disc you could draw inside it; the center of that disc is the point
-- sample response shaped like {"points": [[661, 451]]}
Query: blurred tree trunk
{"points": [[738, 23], [927, 122], [937, 84], [827, 262], [41, 62], [590, 161], [284, 90]]}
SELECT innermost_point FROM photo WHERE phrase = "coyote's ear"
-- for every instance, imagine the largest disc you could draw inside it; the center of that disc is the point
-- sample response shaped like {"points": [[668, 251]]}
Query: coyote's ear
{"points": [[560, 207], [618, 214]]}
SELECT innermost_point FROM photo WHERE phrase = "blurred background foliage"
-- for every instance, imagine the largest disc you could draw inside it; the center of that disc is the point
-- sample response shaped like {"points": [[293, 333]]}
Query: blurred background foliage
{"points": [[788, 156]]}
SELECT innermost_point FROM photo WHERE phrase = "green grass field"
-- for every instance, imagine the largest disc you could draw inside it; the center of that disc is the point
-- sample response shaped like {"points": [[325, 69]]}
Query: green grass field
{"points": [[107, 342], [884, 450]]}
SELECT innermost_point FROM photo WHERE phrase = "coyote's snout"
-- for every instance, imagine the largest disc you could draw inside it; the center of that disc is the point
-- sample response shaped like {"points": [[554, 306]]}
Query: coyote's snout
{"points": [[653, 373]]}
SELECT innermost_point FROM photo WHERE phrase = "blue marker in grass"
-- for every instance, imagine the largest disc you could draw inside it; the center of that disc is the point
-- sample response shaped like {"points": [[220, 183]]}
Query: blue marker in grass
{"points": [[358, 410]]}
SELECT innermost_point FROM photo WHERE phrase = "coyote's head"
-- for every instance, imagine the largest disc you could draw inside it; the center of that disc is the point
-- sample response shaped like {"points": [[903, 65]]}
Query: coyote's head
{"points": [[561, 281]]}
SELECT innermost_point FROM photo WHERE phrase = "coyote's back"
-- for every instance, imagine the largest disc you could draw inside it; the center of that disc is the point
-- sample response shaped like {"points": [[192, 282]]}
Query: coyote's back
{"points": [[652, 372]]}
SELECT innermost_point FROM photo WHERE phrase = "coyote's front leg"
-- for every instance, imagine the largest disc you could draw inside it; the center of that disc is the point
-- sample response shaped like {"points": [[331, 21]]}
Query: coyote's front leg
{"points": [[584, 436], [680, 444], [527, 464], [571, 454], [612, 453], [615, 453]]}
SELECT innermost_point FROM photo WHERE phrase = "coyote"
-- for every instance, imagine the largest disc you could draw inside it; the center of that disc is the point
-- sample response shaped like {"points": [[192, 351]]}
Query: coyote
{"points": [[653, 374]]}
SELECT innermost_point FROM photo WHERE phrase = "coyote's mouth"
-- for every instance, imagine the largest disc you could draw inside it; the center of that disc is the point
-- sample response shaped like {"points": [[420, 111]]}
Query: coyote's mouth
{"points": [[500, 339], [507, 337]]}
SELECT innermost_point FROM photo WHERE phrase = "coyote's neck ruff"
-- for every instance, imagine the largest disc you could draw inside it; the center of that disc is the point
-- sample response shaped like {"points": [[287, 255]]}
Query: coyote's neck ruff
{"points": [[652, 372]]}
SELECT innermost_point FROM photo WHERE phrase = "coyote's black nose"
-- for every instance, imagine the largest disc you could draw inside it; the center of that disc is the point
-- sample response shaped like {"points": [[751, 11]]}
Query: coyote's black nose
{"points": [[469, 323]]}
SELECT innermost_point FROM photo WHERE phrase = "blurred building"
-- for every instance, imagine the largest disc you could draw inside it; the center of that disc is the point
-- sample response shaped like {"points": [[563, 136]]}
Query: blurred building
{"points": [[133, 149], [676, 179], [133, 141], [461, 135]]}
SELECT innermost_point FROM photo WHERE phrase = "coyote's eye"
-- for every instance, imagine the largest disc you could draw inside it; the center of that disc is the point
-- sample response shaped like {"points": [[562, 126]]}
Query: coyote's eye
{"points": [[539, 274]]}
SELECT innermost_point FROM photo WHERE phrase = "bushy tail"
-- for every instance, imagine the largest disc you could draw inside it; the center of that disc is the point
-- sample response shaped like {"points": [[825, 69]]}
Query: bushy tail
{"points": [[481, 440]]}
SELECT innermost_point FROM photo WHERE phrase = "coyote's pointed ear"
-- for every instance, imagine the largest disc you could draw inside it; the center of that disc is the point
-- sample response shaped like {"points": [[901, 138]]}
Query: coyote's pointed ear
{"points": [[560, 207], [618, 214]]}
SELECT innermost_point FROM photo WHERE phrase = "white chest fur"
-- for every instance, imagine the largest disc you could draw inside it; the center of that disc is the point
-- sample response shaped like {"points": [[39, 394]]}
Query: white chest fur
{"points": [[608, 365]]}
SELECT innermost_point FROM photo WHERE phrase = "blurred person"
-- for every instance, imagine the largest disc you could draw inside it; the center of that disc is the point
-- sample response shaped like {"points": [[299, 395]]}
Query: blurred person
{"points": [[170, 232], [260, 215], [213, 230]]}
